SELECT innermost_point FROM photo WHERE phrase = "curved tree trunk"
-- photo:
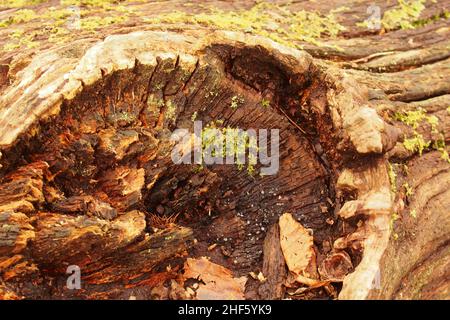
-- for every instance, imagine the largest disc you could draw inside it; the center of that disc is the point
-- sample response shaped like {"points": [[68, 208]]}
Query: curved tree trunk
{"points": [[87, 177]]}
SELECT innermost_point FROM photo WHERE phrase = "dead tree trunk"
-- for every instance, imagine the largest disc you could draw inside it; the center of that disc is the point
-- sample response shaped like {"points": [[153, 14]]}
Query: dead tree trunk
{"points": [[87, 177]]}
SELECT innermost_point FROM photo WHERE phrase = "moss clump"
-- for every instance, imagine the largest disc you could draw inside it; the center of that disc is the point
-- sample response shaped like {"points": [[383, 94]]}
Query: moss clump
{"points": [[19, 3], [265, 103], [415, 117], [214, 142], [171, 110], [55, 21], [394, 218], [404, 16], [266, 19], [440, 146], [20, 16], [19, 39], [408, 189], [105, 4], [236, 101], [392, 178], [93, 23], [416, 144]]}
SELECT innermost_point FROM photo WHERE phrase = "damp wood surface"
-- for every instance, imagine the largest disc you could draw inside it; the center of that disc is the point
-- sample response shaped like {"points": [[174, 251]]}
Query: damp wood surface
{"points": [[87, 179]]}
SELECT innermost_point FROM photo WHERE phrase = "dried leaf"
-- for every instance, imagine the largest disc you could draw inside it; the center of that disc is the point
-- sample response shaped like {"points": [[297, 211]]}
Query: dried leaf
{"points": [[219, 283], [298, 250]]}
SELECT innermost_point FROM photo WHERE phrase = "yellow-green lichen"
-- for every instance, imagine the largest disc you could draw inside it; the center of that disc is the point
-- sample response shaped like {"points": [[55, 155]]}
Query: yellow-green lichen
{"points": [[266, 19], [414, 117], [392, 178], [103, 4], [171, 110], [416, 143], [404, 15], [19, 3], [236, 101], [440, 146], [59, 22], [408, 189], [394, 217], [229, 142], [265, 103], [93, 23], [20, 16], [19, 39]]}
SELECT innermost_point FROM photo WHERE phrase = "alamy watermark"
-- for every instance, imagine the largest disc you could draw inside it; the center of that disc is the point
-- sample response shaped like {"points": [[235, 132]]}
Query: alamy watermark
{"points": [[73, 22], [373, 22], [73, 281], [211, 145]]}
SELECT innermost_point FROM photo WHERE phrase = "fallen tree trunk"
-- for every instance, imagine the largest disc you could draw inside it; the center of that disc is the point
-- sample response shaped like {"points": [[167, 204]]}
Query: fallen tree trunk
{"points": [[88, 178]]}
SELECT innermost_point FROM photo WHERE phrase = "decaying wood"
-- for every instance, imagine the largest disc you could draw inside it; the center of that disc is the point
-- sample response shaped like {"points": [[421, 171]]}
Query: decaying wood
{"points": [[274, 266], [87, 178]]}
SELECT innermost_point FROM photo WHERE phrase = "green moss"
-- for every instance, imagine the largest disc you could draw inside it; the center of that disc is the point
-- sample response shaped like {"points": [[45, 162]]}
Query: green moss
{"points": [[19, 39], [104, 4], [394, 217], [53, 20], [171, 110], [440, 146], [433, 121], [392, 178], [59, 15], [404, 15], [242, 143], [266, 19], [20, 16], [439, 16], [93, 23], [408, 189], [10, 46], [265, 103], [416, 144], [58, 35], [197, 169], [20, 3], [415, 117], [236, 101]]}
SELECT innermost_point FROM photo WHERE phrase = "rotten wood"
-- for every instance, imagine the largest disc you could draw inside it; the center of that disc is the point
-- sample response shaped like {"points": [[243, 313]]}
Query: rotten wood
{"points": [[87, 179]]}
